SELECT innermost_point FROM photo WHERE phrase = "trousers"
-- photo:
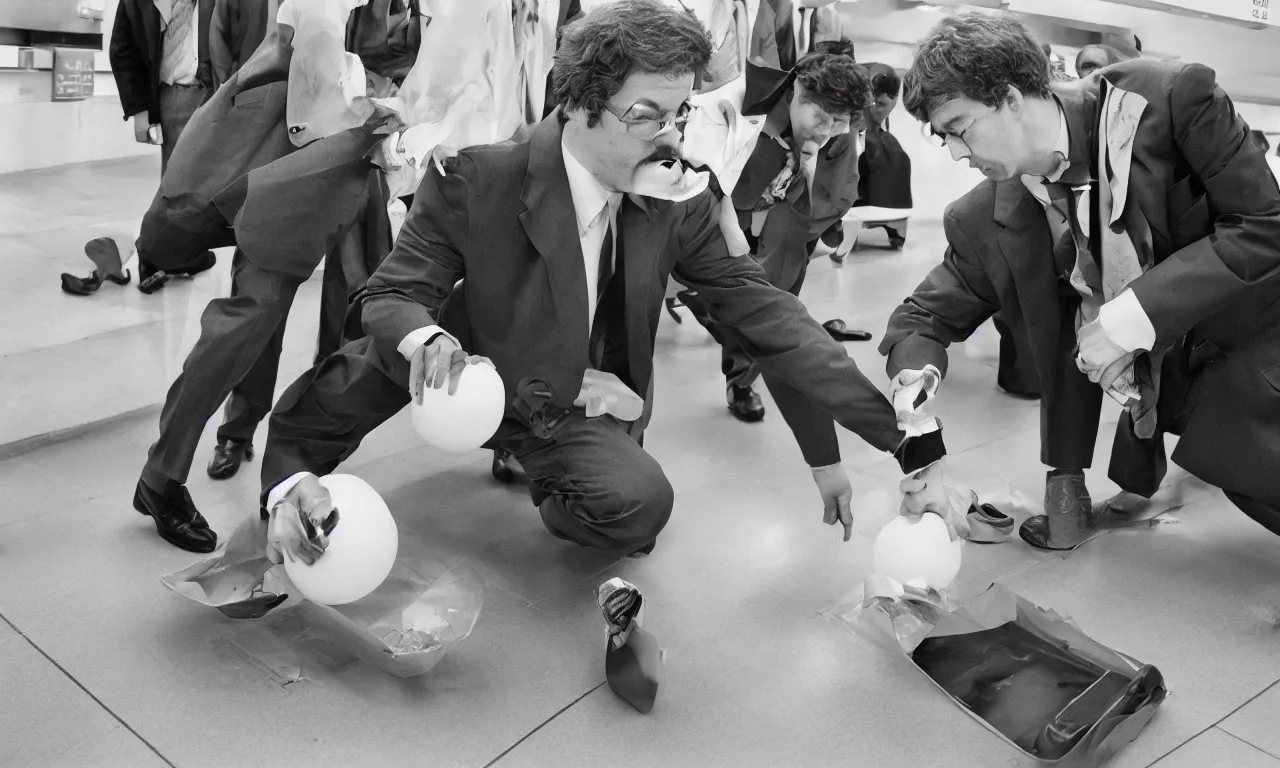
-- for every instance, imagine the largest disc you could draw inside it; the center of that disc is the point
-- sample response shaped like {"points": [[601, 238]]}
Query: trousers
{"points": [[593, 482]]}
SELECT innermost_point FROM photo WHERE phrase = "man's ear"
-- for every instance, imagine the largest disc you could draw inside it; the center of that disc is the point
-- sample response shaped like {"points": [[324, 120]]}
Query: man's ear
{"points": [[1013, 99]]}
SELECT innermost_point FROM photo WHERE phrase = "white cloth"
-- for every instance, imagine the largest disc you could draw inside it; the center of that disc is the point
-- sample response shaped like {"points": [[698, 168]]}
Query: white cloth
{"points": [[719, 136], [183, 63], [328, 89]]}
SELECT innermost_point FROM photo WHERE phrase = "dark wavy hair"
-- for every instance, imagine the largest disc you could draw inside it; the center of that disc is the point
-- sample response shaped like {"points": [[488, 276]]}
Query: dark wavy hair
{"points": [[599, 51], [886, 84], [977, 56], [833, 80]]}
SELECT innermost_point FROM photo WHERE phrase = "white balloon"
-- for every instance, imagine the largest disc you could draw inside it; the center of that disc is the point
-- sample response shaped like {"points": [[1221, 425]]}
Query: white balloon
{"points": [[462, 421], [362, 546], [918, 552]]}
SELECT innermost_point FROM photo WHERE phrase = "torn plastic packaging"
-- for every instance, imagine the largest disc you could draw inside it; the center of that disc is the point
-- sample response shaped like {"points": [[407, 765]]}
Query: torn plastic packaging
{"points": [[404, 627], [1026, 673]]}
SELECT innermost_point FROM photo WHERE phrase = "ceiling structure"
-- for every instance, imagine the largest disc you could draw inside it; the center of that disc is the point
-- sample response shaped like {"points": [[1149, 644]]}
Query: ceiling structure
{"points": [[1222, 34]]}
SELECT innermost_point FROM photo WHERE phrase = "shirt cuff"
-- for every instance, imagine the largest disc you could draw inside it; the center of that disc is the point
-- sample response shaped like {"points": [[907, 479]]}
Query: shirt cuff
{"points": [[276, 494], [1126, 323], [425, 335]]}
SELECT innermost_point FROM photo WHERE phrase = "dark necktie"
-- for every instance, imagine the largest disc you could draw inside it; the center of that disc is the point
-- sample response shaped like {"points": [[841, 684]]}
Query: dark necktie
{"points": [[608, 342]]}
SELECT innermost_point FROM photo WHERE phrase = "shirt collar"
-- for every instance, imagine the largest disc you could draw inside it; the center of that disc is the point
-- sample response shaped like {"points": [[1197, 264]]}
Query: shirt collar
{"points": [[589, 195], [1062, 147]]}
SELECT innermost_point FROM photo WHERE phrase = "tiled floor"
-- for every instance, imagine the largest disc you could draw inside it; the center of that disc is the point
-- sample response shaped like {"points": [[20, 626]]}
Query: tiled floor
{"points": [[100, 666]]}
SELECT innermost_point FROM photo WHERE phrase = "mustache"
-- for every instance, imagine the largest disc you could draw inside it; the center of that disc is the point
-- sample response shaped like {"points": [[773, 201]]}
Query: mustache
{"points": [[665, 155]]}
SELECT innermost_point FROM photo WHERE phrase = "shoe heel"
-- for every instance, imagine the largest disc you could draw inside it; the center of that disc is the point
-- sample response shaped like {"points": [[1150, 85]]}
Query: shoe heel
{"points": [[137, 502]]}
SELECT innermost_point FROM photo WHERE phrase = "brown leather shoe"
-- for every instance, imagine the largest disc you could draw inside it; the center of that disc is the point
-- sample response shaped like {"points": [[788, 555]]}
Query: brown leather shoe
{"points": [[1069, 518]]}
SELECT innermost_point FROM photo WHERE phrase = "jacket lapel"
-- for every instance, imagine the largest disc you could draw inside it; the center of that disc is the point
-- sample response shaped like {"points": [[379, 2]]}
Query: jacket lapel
{"points": [[1027, 248], [552, 227], [151, 31]]}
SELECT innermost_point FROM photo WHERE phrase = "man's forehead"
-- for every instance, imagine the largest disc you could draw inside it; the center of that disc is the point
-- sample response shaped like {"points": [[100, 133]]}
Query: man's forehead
{"points": [[948, 113], [663, 92]]}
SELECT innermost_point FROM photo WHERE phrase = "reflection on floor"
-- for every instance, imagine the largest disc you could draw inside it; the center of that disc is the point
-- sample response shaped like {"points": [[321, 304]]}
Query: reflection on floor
{"points": [[100, 666]]}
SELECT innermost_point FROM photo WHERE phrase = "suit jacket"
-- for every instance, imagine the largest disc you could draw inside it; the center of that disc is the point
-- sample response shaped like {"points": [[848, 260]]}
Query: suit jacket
{"points": [[238, 28], [835, 183], [1213, 296], [235, 178], [135, 49], [526, 287]]}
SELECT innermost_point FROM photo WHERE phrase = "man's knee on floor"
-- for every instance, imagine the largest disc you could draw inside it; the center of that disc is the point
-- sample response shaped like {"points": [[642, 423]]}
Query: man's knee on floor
{"points": [[647, 497]]}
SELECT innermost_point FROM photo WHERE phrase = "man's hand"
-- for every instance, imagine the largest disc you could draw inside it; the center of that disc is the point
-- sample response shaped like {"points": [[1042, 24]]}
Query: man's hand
{"points": [[927, 491], [605, 393], [142, 128], [837, 493], [301, 522], [1097, 351], [438, 363]]}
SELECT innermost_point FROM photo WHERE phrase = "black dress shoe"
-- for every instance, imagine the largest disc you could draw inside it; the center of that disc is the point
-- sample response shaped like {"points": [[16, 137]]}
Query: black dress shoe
{"points": [[501, 470], [177, 519], [152, 279], [227, 455], [744, 404]]}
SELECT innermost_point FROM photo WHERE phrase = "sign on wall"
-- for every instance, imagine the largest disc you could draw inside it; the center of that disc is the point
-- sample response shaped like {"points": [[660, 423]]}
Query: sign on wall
{"points": [[72, 74]]}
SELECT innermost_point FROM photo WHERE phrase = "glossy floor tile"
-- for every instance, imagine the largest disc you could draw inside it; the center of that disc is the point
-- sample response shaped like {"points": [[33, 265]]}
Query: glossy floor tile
{"points": [[100, 665]]}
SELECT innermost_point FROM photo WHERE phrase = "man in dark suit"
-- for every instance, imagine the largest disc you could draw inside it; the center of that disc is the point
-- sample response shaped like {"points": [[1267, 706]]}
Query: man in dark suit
{"points": [[1147, 167], [237, 179], [159, 55], [801, 177], [564, 268]]}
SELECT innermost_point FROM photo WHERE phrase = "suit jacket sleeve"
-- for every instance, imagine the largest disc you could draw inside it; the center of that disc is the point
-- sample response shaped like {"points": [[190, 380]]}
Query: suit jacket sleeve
{"points": [[128, 66], [955, 298], [1241, 254], [777, 331], [221, 55], [407, 290]]}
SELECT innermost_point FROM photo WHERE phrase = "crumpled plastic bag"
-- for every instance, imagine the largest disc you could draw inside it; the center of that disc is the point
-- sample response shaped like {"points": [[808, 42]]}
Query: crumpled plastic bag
{"points": [[1028, 674], [404, 627]]}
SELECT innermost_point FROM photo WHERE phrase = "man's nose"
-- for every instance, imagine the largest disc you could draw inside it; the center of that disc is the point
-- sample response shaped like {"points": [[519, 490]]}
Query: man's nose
{"points": [[957, 148], [668, 140]]}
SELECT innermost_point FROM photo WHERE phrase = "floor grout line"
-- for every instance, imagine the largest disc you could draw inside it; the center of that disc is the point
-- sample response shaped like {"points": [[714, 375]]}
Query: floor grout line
{"points": [[1218, 722], [543, 724], [1231, 735], [87, 692]]}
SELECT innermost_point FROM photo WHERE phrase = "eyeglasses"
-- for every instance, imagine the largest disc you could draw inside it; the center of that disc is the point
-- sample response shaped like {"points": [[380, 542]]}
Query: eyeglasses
{"points": [[647, 123], [940, 140]]}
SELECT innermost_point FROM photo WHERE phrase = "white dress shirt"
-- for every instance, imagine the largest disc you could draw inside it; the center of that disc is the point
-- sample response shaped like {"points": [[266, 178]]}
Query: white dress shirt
{"points": [[594, 208], [1123, 318]]}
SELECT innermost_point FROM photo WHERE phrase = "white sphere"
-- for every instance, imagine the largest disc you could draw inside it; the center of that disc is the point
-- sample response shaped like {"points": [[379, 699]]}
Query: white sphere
{"points": [[463, 421], [362, 546], [918, 552]]}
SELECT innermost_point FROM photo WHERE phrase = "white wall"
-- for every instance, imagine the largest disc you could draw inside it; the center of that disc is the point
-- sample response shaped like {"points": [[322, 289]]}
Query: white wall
{"points": [[39, 133]]}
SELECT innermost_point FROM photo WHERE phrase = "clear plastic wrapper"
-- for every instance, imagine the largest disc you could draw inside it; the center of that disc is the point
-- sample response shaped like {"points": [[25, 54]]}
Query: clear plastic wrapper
{"points": [[1026, 673], [404, 627]]}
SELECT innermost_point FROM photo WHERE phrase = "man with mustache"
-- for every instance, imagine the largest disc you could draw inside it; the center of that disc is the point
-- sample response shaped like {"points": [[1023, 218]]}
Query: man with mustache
{"points": [[1132, 228], [564, 240]]}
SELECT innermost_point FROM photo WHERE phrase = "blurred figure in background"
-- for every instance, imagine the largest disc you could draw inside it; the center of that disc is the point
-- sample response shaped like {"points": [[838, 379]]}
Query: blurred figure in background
{"points": [[1091, 58], [884, 169]]}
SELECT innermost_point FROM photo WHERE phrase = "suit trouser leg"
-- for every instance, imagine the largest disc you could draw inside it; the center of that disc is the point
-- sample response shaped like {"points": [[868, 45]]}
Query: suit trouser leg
{"points": [[233, 333], [321, 418], [177, 104], [1069, 419], [595, 485], [1017, 372]]}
